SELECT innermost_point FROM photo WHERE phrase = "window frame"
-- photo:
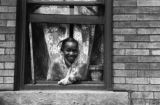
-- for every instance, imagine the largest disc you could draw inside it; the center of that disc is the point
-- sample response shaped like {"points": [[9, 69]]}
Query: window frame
{"points": [[21, 21]]}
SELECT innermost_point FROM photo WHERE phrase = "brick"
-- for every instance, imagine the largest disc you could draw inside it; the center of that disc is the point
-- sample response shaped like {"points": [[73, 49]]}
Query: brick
{"points": [[125, 73], [137, 52], [124, 31], [10, 37], [135, 24], [8, 80], [155, 52], [118, 66], [130, 24], [139, 102], [142, 95], [9, 65], [152, 73], [3, 23], [2, 51], [7, 58], [149, 24], [7, 30], [2, 37], [119, 80], [124, 45], [10, 72], [148, 87], [141, 73], [124, 17], [155, 66], [125, 59], [8, 16], [149, 31], [137, 66], [151, 45], [155, 38], [148, 10], [1, 65], [7, 44], [122, 24], [149, 59], [125, 3], [11, 9], [118, 38], [118, 52], [7, 72], [148, 17], [148, 2], [9, 2], [154, 24], [136, 38], [10, 51], [154, 102], [137, 80], [124, 10], [11, 23], [125, 87], [6, 87], [3, 8], [1, 79], [155, 80], [157, 95]]}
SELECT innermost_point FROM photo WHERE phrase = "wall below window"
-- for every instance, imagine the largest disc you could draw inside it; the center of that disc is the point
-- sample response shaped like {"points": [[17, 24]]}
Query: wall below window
{"points": [[62, 97]]}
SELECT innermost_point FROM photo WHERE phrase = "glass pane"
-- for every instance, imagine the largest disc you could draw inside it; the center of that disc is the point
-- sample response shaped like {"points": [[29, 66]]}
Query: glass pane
{"points": [[58, 52], [66, 10]]}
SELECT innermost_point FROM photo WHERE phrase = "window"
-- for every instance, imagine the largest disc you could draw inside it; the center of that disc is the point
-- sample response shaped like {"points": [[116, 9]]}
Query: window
{"points": [[43, 55]]}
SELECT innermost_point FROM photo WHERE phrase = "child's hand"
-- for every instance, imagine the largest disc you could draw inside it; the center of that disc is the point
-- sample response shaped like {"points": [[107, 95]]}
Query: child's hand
{"points": [[64, 81]]}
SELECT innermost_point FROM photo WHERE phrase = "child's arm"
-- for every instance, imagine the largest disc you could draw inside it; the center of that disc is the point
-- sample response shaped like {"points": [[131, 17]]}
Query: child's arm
{"points": [[76, 74]]}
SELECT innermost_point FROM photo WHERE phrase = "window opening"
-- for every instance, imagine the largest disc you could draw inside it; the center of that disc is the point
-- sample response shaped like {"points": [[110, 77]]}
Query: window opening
{"points": [[53, 29]]}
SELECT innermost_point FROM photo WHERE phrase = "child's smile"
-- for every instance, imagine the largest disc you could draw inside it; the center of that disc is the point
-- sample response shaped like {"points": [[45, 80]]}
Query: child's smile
{"points": [[70, 51]]}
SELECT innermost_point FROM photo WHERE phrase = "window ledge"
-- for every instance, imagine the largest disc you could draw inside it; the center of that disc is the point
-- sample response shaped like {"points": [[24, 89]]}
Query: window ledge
{"points": [[64, 97]]}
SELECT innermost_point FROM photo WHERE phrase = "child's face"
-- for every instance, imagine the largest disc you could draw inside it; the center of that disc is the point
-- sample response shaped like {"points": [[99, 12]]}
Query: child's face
{"points": [[70, 51]]}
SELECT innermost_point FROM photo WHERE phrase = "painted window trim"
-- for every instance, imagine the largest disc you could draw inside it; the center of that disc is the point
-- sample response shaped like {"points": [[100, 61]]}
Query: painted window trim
{"points": [[20, 50]]}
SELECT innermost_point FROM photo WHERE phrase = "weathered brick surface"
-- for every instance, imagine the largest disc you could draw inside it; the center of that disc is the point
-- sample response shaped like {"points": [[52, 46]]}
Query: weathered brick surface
{"points": [[7, 43], [125, 3], [136, 49], [9, 2], [124, 17], [10, 37], [9, 51], [8, 80], [9, 65], [148, 2]]}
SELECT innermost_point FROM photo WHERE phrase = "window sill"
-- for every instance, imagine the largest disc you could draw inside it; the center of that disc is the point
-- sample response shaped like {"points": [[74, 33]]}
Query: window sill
{"points": [[68, 87], [64, 97]]}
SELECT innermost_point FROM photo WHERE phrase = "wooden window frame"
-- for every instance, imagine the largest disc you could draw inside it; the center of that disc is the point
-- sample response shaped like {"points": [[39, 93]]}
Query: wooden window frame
{"points": [[20, 44]]}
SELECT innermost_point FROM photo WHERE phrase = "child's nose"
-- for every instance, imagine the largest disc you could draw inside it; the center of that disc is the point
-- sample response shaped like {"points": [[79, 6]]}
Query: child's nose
{"points": [[71, 53]]}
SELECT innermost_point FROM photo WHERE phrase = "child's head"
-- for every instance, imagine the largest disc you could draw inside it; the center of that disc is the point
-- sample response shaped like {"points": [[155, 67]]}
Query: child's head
{"points": [[70, 49]]}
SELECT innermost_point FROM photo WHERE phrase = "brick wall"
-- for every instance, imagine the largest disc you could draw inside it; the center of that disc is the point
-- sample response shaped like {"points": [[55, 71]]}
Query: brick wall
{"points": [[7, 43], [136, 60], [137, 50]]}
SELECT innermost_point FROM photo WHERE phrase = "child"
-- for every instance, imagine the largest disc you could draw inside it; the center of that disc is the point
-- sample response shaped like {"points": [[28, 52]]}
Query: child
{"points": [[67, 69]]}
